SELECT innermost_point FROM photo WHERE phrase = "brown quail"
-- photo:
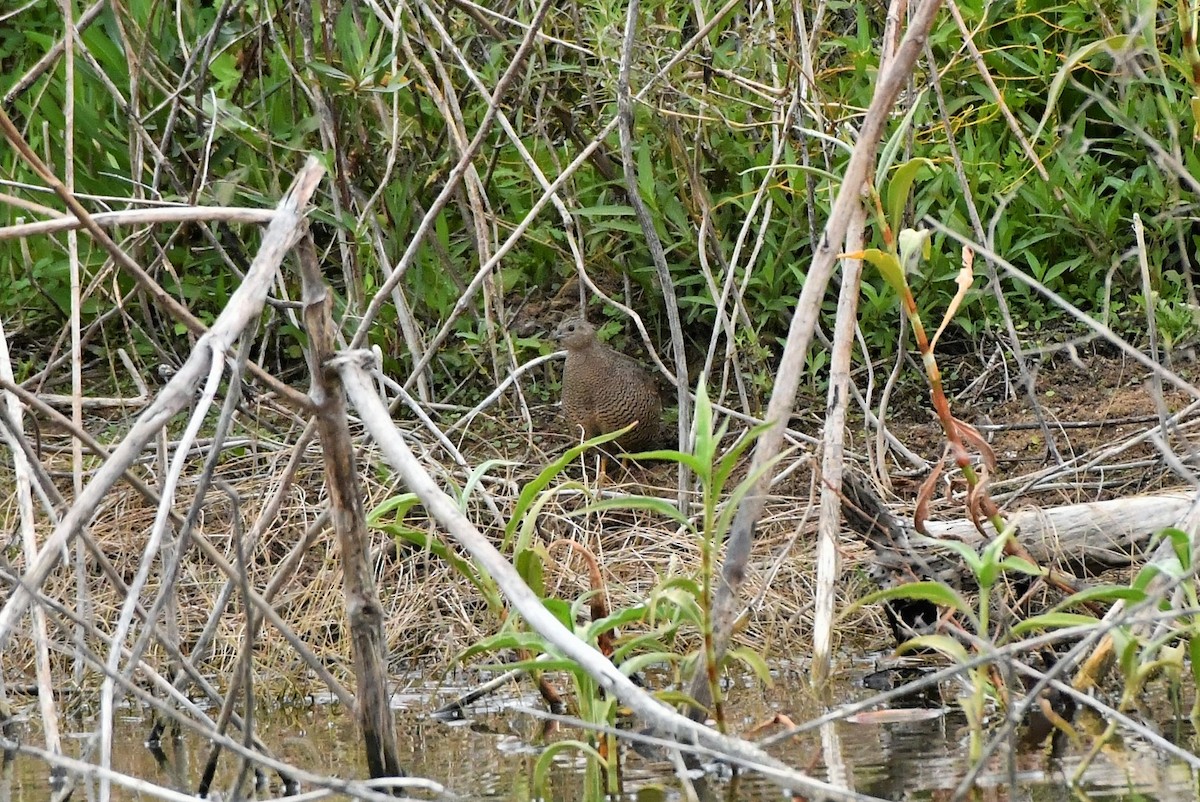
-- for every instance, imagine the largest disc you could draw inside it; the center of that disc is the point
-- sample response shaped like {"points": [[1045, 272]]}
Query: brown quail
{"points": [[603, 390]]}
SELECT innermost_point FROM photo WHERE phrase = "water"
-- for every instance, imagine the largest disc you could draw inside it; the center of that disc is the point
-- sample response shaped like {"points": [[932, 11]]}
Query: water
{"points": [[492, 753]]}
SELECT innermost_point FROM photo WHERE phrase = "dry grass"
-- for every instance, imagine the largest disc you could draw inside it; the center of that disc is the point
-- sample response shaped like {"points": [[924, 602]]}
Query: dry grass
{"points": [[431, 612]]}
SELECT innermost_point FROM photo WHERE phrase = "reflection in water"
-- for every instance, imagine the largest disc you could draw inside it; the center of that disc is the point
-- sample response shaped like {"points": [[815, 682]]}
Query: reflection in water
{"points": [[491, 753]]}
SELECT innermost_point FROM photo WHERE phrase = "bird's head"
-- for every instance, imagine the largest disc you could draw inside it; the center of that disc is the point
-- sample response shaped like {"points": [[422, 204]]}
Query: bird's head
{"points": [[574, 333]]}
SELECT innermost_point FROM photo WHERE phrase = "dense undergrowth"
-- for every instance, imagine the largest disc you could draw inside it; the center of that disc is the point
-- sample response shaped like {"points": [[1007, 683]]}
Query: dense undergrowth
{"points": [[220, 104], [1056, 138]]}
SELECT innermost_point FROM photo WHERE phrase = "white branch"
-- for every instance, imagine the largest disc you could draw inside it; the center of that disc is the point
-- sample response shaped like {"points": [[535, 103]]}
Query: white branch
{"points": [[353, 368]]}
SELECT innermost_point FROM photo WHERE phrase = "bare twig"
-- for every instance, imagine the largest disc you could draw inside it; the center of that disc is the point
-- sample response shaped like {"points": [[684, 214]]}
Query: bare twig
{"points": [[363, 610], [137, 217]]}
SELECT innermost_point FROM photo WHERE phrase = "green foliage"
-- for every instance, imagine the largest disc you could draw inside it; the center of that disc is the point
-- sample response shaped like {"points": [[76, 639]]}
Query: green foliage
{"points": [[343, 86]]}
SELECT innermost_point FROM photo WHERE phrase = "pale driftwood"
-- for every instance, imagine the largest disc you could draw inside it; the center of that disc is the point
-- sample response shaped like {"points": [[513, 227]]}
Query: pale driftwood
{"points": [[142, 217], [96, 402], [1099, 534]]}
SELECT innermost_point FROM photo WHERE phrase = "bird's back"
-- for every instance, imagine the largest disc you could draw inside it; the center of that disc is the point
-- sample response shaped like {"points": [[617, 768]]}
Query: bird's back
{"points": [[604, 391]]}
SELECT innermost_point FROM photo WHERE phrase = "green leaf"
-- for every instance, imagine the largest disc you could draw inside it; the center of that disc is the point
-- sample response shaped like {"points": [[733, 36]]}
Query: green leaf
{"points": [[1126, 647], [542, 663], [935, 592], [888, 266], [646, 660], [1180, 543], [696, 464], [543, 480], [899, 186], [529, 519], [397, 505], [658, 506], [530, 566], [1101, 593], [325, 71], [730, 461], [620, 618], [561, 610], [1053, 621], [1111, 44], [897, 140], [609, 210], [672, 697], [1145, 576], [1194, 655], [754, 661], [942, 644], [1022, 566], [705, 444], [507, 639], [546, 760], [989, 560], [477, 476], [965, 553], [656, 642], [730, 507]]}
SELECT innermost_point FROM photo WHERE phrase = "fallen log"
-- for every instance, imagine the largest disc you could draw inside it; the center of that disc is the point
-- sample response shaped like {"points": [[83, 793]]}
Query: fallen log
{"points": [[1096, 535], [1087, 538]]}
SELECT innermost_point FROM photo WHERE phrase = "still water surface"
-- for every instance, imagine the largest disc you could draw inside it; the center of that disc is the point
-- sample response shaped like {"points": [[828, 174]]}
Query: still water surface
{"points": [[491, 754]]}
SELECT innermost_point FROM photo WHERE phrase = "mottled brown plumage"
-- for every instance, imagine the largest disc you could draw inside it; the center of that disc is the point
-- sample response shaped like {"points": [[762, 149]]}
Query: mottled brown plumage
{"points": [[604, 390]]}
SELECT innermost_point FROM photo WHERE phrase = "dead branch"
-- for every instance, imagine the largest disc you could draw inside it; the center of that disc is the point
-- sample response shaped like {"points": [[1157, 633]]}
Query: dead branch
{"points": [[360, 388], [244, 308]]}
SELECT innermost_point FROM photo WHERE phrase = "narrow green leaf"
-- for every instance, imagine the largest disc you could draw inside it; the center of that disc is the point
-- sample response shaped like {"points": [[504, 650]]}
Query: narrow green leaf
{"points": [[1053, 621], [543, 480], [399, 505], [755, 662], [602, 210], [477, 476], [621, 618], [966, 553], [942, 644], [887, 154], [899, 186], [695, 463], [935, 592], [705, 445], [1111, 44], [646, 660], [1180, 543], [546, 760], [888, 266], [1022, 566], [507, 639], [1101, 593], [730, 460], [658, 506]]}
